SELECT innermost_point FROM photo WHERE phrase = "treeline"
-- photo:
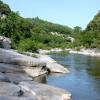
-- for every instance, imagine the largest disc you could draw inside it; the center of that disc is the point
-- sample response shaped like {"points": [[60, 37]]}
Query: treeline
{"points": [[30, 34], [90, 37]]}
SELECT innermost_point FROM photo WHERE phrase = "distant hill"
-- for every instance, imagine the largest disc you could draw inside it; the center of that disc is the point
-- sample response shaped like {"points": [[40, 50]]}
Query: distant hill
{"points": [[91, 35], [31, 33], [95, 23]]}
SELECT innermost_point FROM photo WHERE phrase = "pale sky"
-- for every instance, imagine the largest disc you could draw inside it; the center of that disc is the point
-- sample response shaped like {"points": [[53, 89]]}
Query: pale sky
{"points": [[66, 12]]}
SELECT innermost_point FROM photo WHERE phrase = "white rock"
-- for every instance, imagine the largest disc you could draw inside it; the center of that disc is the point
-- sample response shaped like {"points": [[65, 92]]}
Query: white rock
{"points": [[57, 68]]}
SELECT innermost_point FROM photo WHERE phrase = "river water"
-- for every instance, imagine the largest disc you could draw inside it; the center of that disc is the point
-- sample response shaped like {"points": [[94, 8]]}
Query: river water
{"points": [[83, 81]]}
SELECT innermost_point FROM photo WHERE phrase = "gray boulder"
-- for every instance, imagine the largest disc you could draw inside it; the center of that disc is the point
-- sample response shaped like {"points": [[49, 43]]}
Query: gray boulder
{"points": [[56, 68], [52, 65], [5, 42]]}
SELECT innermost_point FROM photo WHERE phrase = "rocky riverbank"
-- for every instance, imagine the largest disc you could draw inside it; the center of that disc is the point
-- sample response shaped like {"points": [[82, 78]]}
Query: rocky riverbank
{"points": [[88, 52], [17, 71]]}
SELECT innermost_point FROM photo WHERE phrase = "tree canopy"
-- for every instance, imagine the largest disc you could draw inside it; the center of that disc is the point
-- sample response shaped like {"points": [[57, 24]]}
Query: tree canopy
{"points": [[31, 33]]}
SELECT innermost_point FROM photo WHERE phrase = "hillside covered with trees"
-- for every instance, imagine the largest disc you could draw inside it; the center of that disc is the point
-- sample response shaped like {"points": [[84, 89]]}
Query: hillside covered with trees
{"points": [[90, 37], [31, 33]]}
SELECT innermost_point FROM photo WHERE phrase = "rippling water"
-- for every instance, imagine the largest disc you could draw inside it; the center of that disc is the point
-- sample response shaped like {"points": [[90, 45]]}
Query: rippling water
{"points": [[83, 81]]}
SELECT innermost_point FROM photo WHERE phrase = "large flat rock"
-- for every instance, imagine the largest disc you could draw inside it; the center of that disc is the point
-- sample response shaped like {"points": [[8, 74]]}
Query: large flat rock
{"points": [[12, 57], [17, 77], [45, 92], [30, 71]]}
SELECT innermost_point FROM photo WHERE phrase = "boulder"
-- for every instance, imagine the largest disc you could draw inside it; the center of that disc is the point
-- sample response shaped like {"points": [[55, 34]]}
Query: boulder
{"points": [[56, 68], [5, 42], [45, 92], [40, 51], [52, 65], [56, 50]]}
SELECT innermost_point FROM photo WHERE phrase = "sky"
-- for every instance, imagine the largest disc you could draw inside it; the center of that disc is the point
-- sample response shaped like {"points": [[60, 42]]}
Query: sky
{"points": [[66, 12]]}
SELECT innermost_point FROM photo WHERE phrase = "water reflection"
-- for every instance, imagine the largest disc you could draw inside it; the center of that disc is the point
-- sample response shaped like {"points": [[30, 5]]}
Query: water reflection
{"points": [[94, 70], [83, 81]]}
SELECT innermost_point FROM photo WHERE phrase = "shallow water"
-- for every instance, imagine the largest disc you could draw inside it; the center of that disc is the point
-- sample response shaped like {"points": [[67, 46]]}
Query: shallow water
{"points": [[83, 81]]}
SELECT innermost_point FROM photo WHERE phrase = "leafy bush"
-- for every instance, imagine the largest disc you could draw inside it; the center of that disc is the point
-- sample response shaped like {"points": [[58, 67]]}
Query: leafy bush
{"points": [[27, 45]]}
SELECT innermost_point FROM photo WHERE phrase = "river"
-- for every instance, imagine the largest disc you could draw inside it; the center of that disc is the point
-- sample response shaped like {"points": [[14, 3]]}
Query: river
{"points": [[83, 81]]}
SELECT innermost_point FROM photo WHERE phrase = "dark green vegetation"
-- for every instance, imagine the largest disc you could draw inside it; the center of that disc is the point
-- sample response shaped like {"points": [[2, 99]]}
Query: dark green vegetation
{"points": [[63, 53], [90, 37], [30, 34]]}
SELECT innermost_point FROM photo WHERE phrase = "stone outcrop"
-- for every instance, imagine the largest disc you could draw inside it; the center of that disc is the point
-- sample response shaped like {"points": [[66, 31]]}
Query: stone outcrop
{"points": [[52, 65], [12, 57], [30, 90], [56, 68], [5, 42], [45, 92], [12, 61], [16, 77]]}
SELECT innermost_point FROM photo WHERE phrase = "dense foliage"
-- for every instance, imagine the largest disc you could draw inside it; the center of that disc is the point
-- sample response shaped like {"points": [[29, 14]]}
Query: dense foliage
{"points": [[91, 35], [30, 34], [4, 8]]}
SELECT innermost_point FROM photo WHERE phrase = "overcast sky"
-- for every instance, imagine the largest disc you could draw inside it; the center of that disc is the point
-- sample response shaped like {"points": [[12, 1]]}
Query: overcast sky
{"points": [[66, 12]]}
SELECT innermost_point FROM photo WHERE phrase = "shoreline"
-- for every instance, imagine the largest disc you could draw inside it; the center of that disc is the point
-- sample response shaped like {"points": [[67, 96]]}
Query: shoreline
{"points": [[87, 52]]}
